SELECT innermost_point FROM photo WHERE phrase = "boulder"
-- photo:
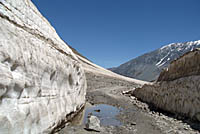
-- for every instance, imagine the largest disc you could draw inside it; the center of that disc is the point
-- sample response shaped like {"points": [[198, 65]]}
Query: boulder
{"points": [[93, 123], [42, 83]]}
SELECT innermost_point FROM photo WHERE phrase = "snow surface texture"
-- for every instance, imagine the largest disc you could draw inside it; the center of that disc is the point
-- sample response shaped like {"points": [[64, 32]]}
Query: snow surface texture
{"points": [[41, 80], [148, 66], [178, 88]]}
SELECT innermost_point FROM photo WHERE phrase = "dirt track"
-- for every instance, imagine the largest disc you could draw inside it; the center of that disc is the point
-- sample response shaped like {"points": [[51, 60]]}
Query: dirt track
{"points": [[136, 117]]}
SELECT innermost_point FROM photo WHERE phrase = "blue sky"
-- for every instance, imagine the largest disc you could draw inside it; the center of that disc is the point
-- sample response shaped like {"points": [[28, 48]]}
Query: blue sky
{"points": [[111, 32]]}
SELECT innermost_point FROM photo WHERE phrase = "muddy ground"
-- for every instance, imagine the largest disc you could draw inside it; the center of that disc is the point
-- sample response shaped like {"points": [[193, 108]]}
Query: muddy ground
{"points": [[135, 116]]}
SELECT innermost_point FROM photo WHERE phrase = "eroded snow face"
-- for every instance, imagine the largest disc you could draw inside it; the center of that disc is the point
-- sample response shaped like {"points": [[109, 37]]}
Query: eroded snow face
{"points": [[41, 81]]}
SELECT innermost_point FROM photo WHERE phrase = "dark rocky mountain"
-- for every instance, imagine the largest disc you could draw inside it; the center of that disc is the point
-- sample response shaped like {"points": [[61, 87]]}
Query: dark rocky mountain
{"points": [[148, 66]]}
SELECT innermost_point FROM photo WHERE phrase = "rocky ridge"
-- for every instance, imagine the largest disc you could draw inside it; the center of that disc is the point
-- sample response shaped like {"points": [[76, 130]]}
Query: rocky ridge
{"points": [[42, 83], [187, 65]]}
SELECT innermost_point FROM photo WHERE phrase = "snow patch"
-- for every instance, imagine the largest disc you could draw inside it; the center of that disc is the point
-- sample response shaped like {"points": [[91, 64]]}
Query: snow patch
{"points": [[167, 46], [179, 46], [197, 42], [160, 63]]}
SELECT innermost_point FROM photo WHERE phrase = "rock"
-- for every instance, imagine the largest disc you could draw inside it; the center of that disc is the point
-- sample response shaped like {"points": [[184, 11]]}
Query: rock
{"points": [[133, 123], [177, 90], [197, 116], [127, 92], [41, 79], [93, 123], [98, 110]]}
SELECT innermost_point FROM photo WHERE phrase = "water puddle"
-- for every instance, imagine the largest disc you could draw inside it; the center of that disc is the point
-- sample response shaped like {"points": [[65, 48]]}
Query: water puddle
{"points": [[106, 113]]}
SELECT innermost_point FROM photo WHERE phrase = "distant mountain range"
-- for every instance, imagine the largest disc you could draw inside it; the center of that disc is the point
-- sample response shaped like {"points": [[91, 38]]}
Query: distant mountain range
{"points": [[148, 66]]}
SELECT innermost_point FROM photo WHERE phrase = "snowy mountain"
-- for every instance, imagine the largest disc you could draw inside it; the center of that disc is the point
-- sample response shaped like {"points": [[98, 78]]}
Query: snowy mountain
{"points": [[148, 66]]}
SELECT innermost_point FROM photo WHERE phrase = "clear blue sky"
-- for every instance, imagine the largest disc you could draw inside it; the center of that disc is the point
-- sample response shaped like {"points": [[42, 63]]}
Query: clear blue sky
{"points": [[111, 32]]}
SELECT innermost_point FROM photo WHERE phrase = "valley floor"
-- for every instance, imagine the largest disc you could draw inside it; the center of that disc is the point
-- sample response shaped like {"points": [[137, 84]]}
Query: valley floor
{"points": [[136, 117]]}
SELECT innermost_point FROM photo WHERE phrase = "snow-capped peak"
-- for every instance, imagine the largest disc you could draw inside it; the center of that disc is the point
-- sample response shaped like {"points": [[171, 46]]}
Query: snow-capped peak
{"points": [[149, 65], [169, 45], [171, 51], [179, 46], [197, 42]]}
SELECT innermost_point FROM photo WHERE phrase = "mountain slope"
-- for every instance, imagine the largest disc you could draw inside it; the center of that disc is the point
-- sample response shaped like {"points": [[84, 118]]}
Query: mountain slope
{"points": [[148, 66]]}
